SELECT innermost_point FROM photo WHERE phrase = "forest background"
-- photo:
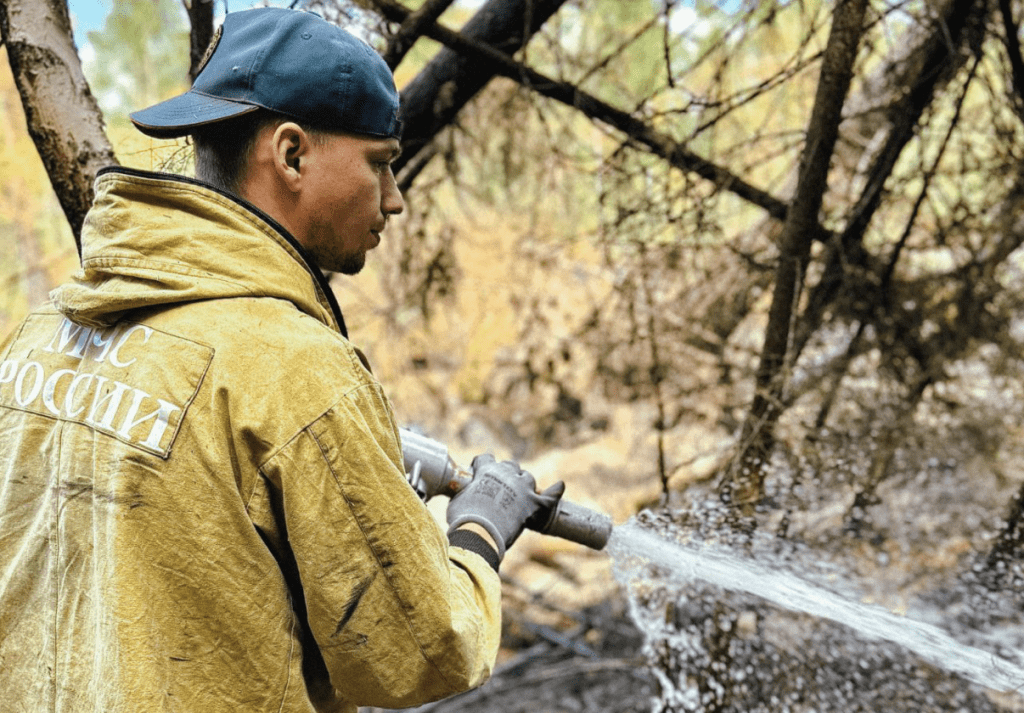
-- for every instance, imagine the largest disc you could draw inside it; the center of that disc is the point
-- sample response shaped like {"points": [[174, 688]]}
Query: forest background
{"points": [[761, 254]]}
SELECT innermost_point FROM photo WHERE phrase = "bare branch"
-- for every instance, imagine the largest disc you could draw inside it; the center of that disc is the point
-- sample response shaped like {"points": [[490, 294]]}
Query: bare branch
{"points": [[411, 29], [656, 142], [666, 43], [1012, 40]]}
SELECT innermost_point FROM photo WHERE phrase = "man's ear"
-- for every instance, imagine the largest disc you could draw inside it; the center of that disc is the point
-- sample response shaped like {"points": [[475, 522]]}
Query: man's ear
{"points": [[290, 146]]}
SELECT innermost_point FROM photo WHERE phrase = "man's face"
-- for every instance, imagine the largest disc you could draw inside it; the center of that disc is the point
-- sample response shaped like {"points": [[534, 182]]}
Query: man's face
{"points": [[349, 192]]}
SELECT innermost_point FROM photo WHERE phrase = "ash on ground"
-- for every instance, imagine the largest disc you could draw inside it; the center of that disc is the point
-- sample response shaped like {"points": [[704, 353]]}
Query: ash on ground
{"points": [[595, 666]]}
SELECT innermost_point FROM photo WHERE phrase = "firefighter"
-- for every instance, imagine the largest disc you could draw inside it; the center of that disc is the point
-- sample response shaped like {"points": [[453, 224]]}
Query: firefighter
{"points": [[202, 504]]}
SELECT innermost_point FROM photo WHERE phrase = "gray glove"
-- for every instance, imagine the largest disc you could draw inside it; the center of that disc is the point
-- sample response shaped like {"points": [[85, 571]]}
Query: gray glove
{"points": [[501, 498]]}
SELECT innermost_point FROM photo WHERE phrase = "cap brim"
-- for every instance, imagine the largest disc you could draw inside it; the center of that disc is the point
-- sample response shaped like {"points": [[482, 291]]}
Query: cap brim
{"points": [[185, 113]]}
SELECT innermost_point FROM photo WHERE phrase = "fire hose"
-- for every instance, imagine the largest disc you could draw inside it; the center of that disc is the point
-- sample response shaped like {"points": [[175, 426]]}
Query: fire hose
{"points": [[432, 472]]}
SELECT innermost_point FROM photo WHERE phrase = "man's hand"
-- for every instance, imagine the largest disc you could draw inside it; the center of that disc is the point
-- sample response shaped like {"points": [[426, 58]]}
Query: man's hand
{"points": [[500, 498]]}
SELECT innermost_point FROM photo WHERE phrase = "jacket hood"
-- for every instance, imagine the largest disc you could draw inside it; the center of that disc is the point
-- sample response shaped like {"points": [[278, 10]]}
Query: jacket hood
{"points": [[154, 239]]}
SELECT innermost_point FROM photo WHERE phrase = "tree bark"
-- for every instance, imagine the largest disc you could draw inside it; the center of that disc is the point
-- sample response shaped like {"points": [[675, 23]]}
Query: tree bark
{"points": [[743, 484], [200, 17], [63, 118]]}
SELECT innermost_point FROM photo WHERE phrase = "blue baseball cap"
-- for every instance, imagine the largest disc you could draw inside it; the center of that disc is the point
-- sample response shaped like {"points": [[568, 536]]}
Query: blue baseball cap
{"points": [[291, 62]]}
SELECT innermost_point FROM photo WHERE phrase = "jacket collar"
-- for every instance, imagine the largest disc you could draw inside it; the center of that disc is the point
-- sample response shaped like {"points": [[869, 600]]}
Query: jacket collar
{"points": [[158, 239]]}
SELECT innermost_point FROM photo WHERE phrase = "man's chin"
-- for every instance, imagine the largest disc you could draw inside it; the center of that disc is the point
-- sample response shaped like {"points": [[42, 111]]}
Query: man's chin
{"points": [[351, 265]]}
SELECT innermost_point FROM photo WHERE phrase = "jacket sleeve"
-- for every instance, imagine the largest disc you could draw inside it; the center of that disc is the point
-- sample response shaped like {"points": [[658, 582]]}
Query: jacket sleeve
{"points": [[400, 616]]}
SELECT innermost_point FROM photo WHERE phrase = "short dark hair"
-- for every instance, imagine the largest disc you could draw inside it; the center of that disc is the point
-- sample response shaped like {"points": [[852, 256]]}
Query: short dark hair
{"points": [[225, 148]]}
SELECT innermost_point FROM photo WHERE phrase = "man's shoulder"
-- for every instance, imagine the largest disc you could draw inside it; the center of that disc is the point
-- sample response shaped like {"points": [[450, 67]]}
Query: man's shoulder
{"points": [[244, 320], [266, 337]]}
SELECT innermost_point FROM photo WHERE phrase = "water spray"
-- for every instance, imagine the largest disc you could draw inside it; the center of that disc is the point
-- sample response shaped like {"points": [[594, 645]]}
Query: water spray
{"points": [[635, 549], [433, 472]]}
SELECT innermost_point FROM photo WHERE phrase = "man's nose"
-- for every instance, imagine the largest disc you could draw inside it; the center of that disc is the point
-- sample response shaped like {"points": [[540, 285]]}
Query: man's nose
{"points": [[391, 201]]}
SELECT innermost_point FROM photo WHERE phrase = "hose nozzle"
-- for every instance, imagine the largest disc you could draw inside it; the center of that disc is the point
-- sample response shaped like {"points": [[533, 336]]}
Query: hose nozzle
{"points": [[438, 475]]}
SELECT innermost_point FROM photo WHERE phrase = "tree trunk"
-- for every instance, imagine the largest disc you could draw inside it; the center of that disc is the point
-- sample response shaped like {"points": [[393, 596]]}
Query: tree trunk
{"points": [[743, 484], [200, 17], [64, 121]]}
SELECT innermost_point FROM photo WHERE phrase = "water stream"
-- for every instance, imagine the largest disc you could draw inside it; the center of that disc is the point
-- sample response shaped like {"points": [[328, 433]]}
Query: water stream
{"points": [[636, 549]]}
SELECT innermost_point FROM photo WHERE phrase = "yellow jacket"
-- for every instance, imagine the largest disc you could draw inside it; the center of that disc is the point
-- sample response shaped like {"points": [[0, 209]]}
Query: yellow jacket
{"points": [[201, 501]]}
